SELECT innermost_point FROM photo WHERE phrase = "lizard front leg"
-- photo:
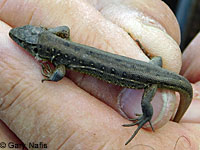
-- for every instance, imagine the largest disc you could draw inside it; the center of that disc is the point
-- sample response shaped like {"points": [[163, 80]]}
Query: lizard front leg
{"points": [[53, 75], [61, 31]]}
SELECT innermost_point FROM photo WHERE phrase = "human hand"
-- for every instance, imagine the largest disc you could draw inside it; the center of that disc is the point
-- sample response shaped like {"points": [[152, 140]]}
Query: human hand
{"points": [[62, 114]]}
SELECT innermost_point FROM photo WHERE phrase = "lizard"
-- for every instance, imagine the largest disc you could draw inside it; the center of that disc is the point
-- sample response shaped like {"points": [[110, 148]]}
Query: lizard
{"points": [[54, 45]]}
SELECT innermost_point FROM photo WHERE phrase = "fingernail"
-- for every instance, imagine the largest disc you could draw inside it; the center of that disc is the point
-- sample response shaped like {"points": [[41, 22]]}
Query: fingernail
{"points": [[129, 102], [164, 102]]}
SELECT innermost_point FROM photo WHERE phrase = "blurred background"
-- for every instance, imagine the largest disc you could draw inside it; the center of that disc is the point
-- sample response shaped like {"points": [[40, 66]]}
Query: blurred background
{"points": [[188, 15]]}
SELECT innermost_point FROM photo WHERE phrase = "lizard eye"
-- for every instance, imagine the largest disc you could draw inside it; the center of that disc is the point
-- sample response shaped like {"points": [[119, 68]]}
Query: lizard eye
{"points": [[35, 50], [48, 50]]}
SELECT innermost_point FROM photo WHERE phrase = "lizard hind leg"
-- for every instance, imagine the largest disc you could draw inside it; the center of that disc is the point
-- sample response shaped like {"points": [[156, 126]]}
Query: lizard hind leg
{"points": [[147, 110], [155, 60]]}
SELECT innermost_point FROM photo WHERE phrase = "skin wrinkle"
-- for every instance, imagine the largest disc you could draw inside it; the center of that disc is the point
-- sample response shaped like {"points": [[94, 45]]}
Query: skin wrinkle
{"points": [[12, 102], [32, 92], [65, 141], [32, 105], [71, 134], [51, 134], [86, 38], [36, 101], [10, 122], [13, 87], [3, 108], [102, 147], [31, 16], [95, 39], [16, 114], [3, 4], [31, 136], [6, 63]]}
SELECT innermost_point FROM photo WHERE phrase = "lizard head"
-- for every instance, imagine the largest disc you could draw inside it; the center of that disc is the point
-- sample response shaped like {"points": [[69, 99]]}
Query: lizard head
{"points": [[26, 37]]}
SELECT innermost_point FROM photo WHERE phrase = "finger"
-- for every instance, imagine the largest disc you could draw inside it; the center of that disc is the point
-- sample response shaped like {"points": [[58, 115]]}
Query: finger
{"points": [[191, 61], [193, 113], [190, 70]]}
